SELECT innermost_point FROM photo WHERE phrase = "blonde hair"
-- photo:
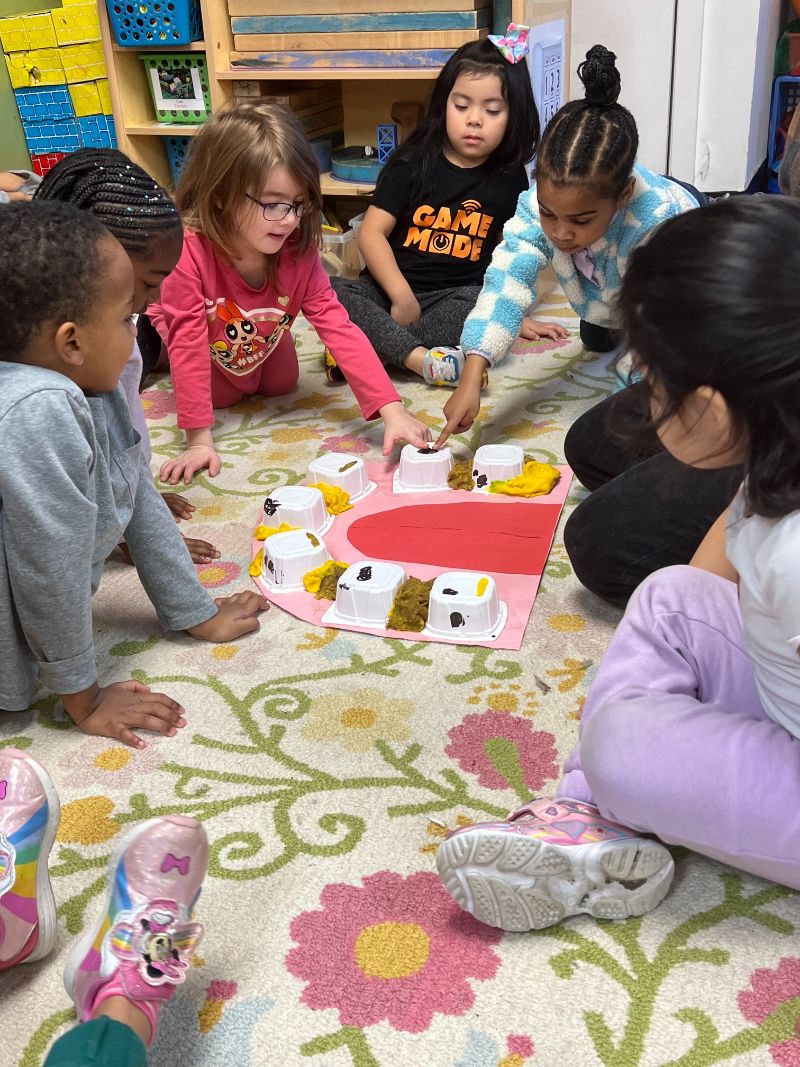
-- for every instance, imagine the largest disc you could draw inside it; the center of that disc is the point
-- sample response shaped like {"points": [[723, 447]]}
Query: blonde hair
{"points": [[229, 160]]}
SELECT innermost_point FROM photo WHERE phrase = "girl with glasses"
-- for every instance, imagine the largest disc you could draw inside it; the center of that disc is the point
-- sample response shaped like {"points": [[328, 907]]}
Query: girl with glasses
{"points": [[250, 199]]}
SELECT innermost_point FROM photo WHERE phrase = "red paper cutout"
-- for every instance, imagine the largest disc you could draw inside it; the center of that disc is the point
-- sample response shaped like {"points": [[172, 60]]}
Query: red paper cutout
{"points": [[473, 536]]}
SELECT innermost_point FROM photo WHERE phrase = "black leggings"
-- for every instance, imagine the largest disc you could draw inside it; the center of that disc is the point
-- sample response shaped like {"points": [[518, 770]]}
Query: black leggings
{"points": [[646, 510]]}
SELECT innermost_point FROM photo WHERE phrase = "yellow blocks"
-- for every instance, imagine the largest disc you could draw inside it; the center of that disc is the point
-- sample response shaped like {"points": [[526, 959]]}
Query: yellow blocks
{"points": [[76, 23], [90, 98], [41, 66], [83, 62], [27, 32]]}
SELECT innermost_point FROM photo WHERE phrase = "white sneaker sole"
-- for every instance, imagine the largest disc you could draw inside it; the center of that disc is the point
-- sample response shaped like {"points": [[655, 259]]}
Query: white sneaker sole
{"points": [[45, 900], [520, 883]]}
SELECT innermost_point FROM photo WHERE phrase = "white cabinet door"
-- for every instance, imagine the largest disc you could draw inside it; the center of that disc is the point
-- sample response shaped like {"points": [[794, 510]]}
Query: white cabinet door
{"points": [[640, 32], [724, 55]]}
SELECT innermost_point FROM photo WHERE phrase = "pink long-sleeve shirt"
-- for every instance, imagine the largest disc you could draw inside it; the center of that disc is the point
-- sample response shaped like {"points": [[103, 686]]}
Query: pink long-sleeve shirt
{"points": [[209, 313]]}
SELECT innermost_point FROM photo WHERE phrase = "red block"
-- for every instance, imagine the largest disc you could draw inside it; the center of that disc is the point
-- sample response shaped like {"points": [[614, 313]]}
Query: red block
{"points": [[46, 161]]}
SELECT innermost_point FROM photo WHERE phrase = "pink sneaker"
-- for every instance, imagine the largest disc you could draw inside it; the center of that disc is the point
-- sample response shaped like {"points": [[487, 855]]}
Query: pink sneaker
{"points": [[140, 947], [551, 859], [29, 812]]}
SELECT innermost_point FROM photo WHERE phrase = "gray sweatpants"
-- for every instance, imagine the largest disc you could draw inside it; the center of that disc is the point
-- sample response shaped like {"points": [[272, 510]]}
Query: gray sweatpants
{"points": [[441, 322]]}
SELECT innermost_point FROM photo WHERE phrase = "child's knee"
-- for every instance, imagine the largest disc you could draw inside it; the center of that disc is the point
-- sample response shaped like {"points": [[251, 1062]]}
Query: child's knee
{"points": [[681, 588]]}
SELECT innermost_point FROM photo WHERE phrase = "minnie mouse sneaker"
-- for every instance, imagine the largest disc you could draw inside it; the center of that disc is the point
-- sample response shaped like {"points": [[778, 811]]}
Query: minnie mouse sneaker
{"points": [[552, 859], [29, 813], [141, 944]]}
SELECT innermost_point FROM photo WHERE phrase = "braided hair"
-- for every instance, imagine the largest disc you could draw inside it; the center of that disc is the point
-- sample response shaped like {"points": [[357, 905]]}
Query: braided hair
{"points": [[591, 141], [119, 193]]}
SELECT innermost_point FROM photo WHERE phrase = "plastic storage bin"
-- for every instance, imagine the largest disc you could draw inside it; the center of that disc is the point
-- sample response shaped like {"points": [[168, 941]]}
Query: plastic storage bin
{"points": [[785, 98], [340, 254], [155, 23], [355, 226], [179, 87], [177, 151]]}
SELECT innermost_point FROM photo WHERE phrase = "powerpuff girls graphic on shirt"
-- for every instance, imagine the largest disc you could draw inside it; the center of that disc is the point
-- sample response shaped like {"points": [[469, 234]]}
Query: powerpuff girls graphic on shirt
{"points": [[247, 338]]}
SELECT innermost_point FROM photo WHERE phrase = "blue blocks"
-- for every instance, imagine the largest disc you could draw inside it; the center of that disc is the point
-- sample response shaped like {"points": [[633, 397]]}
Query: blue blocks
{"points": [[97, 131], [44, 137], [387, 141], [46, 103]]}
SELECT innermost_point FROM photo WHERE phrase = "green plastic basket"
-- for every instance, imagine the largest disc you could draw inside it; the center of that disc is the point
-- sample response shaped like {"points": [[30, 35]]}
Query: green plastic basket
{"points": [[179, 86]]}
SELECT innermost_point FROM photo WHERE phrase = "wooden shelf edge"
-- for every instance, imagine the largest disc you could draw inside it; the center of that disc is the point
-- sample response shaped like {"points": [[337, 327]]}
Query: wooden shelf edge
{"points": [[195, 46], [327, 74], [161, 129], [331, 186]]}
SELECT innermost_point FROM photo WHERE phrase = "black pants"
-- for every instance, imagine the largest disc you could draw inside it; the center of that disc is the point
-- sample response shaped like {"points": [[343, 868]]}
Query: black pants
{"points": [[441, 321], [646, 510]]}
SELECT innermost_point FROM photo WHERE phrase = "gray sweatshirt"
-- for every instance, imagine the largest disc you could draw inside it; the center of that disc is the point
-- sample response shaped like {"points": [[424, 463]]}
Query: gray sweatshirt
{"points": [[73, 484]]}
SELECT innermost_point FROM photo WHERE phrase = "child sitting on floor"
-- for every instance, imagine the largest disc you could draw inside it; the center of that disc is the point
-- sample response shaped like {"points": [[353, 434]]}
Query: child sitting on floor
{"points": [[691, 728], [73, 481], [144, 219], [251, 201], [439, 209], [590, 206]]}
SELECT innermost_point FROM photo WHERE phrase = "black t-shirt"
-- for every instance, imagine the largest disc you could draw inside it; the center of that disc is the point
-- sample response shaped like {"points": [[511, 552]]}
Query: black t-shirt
{"points": [[446, 237]]}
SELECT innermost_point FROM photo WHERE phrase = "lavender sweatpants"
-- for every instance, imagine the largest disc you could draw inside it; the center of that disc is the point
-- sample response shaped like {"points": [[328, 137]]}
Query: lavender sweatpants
{"points": [[673, 738]]}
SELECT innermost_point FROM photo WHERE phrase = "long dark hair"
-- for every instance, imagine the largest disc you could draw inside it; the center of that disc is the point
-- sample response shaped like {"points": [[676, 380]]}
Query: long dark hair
{"points": [[593, 141], [423, 146], [711, 299]]}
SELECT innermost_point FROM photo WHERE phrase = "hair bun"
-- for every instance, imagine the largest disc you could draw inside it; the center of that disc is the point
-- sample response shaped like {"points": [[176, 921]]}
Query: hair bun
{"points": [[600, 76]]}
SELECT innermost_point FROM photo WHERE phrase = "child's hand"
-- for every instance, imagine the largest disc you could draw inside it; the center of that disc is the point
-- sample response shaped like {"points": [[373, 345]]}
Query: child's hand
{"points": [[179, 506], [117, 710], [237, 615], [201, 551], [189, 462], [406, 311], [400, 426], [462, 408], [535, 330]]}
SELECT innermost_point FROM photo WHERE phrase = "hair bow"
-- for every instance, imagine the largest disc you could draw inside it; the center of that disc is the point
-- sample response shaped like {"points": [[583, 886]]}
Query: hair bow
{"points": [[514, 45]]}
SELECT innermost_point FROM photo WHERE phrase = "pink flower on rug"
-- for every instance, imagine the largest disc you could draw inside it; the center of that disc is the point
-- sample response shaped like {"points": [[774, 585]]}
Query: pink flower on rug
{"points": [[769, 989], [213, 575], [158, 403], [348, 442], [394, 948], [504, 751]]}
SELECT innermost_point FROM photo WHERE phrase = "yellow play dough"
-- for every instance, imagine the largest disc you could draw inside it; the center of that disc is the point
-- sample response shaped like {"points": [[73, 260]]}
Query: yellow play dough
{"points": [[537, 479], [258, 563], [263, 532], [482, 586], [336, 500], [319, 580]]}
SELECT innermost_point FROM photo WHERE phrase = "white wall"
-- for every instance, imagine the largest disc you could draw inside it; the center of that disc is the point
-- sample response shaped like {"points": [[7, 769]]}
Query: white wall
{"points": [[722, 79], [640, 33]]}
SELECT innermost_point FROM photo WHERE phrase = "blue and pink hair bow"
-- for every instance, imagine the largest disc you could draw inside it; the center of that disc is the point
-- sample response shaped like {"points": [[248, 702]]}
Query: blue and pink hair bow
{"points": [[514, 44]]}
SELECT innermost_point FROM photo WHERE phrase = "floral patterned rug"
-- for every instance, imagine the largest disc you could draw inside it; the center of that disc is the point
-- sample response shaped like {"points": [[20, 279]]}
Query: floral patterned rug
{"points": [[326, 767]]}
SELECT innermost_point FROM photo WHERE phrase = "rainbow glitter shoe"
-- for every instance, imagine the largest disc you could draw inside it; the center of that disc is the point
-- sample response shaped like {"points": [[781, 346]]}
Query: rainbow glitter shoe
{"points": [[29, 813], [552, 859], [443, 366], [140, 947]]}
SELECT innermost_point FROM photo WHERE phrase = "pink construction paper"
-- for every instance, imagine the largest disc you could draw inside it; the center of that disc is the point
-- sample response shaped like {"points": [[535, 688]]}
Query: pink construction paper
{"points": [[517, 589]]}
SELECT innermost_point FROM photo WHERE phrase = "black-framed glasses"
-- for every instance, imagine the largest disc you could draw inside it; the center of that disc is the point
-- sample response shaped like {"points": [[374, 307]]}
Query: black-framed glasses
{"points": [[273, 212]]}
